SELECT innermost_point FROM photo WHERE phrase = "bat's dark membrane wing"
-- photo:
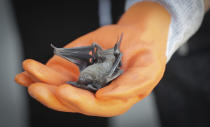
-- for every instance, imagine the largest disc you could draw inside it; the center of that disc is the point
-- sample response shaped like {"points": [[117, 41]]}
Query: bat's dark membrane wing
{"points": [[78, 55]]}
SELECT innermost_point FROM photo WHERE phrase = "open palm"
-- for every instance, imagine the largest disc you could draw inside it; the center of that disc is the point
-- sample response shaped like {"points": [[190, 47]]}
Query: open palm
{"points": [[141, 62]]}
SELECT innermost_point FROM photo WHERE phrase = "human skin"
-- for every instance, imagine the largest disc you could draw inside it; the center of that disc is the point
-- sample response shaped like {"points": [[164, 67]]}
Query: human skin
{"points": [[207, 5], [145, 30]]}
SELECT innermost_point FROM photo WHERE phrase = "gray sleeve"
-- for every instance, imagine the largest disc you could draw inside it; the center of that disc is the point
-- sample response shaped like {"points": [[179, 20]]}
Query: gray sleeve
{"points": [[186, 18]]}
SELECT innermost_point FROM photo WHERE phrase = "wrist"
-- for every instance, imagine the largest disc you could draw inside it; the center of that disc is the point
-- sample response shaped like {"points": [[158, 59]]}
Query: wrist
{"points": [[150, 20]]}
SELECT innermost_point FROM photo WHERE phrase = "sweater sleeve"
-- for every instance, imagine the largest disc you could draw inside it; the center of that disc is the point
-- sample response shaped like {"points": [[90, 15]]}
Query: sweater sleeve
{"points": [[186, 18]]}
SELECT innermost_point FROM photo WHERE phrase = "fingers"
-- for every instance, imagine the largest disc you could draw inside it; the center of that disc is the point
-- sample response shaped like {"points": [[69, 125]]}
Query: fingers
{"points": [[63, 66], [85, 102], [44, 73], [45, 94], [24, 79]]}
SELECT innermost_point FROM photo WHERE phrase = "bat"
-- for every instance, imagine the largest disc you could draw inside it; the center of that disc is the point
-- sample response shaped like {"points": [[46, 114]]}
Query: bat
{"points": [[98, 68]]}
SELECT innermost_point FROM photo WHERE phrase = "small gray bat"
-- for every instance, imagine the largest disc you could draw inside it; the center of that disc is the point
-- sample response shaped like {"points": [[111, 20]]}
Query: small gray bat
{"points": [[97, 68]]}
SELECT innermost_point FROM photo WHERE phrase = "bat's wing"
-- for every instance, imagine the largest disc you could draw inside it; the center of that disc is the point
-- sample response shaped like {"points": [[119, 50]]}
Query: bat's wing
{"points": [[79, 55]]}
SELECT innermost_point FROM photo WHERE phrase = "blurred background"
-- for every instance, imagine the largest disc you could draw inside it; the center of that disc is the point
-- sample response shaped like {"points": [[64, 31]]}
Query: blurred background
{"points": [[28, 27]]}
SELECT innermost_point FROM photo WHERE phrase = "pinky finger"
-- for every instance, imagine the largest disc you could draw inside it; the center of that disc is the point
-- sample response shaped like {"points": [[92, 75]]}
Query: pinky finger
{"points": [[45, 94], [24, 79]]}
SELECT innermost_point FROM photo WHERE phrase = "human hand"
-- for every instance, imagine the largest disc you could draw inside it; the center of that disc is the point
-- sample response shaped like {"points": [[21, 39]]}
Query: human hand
{"points": [[143, 47]]}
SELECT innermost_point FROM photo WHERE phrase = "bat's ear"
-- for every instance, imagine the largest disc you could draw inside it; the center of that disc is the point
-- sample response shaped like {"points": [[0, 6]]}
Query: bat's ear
{"points": [[117, 45]]}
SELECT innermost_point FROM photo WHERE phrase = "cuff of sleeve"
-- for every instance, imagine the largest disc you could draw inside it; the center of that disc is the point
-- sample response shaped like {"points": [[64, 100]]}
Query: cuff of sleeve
{"points": [[186, 18]]}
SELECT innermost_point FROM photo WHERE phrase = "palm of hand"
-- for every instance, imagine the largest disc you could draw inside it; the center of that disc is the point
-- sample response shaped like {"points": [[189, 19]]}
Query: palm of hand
{"points": [[142, 67]]}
